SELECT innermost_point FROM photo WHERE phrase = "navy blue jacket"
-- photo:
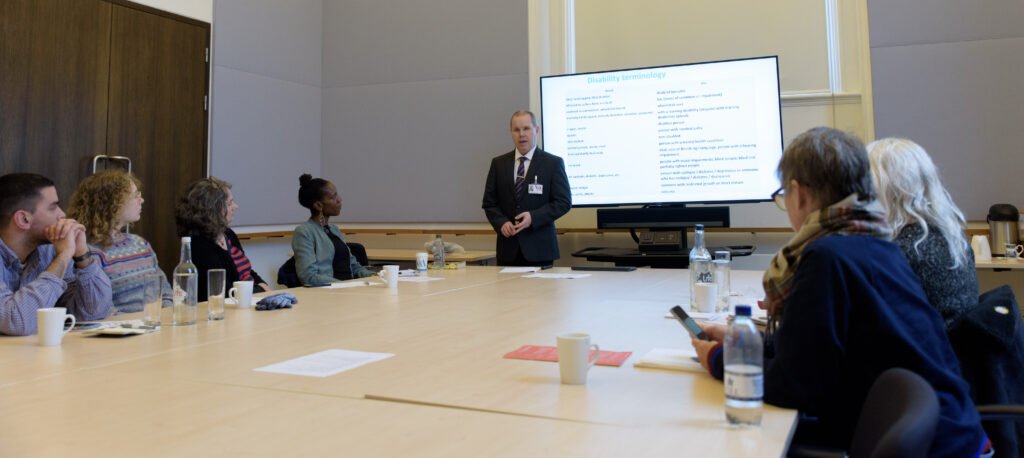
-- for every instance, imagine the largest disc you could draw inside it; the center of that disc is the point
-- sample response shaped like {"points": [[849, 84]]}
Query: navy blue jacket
{"points": [[855, 310], [500, 203]]}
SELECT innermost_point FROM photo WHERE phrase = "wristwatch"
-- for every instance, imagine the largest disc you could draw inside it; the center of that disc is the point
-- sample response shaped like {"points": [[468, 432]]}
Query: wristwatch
{"points": [[78, 259]]}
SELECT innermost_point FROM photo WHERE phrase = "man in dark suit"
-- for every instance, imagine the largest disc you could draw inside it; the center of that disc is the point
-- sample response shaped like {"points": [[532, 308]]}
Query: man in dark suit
{"points": [[526, 191]]}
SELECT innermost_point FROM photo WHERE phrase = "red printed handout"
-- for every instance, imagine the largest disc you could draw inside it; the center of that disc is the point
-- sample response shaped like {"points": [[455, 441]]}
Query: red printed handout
{"points": [[545, 353]]}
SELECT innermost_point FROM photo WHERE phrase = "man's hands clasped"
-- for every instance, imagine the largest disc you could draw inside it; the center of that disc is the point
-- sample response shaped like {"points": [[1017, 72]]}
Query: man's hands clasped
{"points": [[523, 221]]}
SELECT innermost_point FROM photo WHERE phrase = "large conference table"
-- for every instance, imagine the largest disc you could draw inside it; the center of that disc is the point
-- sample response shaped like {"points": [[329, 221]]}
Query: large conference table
{"points": [[192, 390]]}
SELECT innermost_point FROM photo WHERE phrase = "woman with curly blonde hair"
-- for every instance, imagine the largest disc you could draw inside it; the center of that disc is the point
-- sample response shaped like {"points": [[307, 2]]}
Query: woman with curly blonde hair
{"points": [[204, 213], [927, 225], [105, 203]]}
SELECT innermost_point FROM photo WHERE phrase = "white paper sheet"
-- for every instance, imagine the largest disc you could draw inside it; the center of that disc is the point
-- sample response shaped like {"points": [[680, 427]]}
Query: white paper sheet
{"points": [[518, 270], [676, 359], [325, 363], [350, 284], [566, 275], [110, 324], [716, 317]]}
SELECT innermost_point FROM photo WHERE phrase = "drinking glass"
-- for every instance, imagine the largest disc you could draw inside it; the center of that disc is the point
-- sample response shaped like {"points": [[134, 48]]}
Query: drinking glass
{"points": [[153, 300], [723, 272], [215, 279]]}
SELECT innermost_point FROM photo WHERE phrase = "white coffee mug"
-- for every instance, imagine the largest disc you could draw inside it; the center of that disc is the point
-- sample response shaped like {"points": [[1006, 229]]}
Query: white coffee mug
{"points": [[390, 276], [705, 296], [51, 323], [421, 261], [574, 357], [241, 292], [982, 250]]}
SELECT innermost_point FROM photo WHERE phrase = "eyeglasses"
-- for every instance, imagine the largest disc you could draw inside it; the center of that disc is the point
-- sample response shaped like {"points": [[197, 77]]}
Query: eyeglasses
{"points": [[779, 196]]}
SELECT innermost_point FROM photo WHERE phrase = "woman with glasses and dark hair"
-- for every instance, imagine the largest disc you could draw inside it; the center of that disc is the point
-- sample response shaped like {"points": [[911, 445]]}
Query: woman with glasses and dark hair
{"points": [[321, 254], [204, 213], [926, 224], [105, 203], [849, 305]]}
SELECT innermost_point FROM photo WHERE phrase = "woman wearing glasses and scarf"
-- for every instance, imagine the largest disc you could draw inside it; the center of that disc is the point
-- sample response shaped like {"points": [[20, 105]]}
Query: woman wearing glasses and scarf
{"points": [[848, 304]]}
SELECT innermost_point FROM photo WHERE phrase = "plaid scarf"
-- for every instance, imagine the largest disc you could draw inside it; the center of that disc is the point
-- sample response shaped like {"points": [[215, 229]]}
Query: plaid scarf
{"points": [[849, 216]]}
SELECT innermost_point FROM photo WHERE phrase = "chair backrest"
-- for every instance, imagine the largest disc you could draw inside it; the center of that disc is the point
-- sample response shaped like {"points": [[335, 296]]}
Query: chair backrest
{"points": [[898, 418], [287, 275], [989, 343], [359, 251]]}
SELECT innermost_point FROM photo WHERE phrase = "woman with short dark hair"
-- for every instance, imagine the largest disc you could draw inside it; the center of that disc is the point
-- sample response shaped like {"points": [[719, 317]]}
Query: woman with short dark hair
{"points": [[321, 254], [204, 213], [850, 307]]}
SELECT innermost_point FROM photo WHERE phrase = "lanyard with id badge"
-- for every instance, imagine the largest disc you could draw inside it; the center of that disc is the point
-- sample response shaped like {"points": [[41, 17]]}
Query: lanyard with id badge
{"points": [[535, 188]]}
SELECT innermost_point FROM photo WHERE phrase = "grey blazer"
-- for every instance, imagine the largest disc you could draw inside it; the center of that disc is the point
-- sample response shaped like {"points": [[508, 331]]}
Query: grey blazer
{"points": [[314, 255]]}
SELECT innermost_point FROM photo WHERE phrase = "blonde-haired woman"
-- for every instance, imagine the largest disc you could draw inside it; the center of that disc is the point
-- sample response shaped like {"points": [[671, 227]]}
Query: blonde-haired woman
{"points": [[927, 225], [105, 203]]}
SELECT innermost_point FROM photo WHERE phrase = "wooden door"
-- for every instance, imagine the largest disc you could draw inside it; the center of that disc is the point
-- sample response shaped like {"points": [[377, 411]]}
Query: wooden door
{"points": [[157, 114], [54, 59]]}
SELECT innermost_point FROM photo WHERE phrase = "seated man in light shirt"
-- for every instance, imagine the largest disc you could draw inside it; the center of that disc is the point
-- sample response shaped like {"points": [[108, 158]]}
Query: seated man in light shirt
{"points": [[46, 261]]}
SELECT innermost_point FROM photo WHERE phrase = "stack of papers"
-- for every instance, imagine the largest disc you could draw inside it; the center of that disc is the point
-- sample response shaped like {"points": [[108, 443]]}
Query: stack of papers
{"points": [[674, 359]]}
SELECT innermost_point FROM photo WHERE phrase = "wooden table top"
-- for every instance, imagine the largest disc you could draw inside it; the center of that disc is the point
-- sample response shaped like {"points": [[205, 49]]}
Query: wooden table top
{"points": [[1000, 263], [448, 383]]}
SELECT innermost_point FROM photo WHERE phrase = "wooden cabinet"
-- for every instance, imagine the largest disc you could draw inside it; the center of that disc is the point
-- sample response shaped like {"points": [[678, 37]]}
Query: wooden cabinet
{"points": [[85, 77]]}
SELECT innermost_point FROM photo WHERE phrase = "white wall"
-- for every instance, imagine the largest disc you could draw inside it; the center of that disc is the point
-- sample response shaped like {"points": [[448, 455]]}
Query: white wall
{"points": [[267, 104], [948, 76], [196, 9]]}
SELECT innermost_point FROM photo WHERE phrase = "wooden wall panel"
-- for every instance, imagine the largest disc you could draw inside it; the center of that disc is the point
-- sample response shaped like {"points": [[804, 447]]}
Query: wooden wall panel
{"points": [[54, 59], [158, 77]]}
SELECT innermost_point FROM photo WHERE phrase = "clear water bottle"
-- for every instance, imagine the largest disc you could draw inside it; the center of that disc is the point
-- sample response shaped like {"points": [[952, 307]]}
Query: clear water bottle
{"points": [[186, 285], [744, 370], [438, 252], [700, 265]]}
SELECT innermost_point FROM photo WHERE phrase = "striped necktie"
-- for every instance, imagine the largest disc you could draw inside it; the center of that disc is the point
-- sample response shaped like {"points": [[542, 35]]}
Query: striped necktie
{"points": [[520, 175]]}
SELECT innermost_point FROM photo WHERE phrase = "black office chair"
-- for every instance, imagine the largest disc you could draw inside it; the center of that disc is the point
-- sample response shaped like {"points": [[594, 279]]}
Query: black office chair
{"points": [[359, 251], [288, 276], [898, 419], [989, 343]]}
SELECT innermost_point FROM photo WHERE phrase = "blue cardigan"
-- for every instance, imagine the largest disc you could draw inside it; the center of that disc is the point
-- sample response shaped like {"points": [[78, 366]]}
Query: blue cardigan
{"points": [[855, 310], [314, 255]]}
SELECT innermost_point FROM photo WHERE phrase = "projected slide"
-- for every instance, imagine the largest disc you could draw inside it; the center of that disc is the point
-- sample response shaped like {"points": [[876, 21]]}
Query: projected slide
{"points": [[691, 133]]}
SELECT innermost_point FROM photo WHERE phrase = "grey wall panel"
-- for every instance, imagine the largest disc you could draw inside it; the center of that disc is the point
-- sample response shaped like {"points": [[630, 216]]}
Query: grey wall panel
{"points": [[379, 42], [903, 22], [964, 103], [265, 133], [270, 37], [417, 152]]}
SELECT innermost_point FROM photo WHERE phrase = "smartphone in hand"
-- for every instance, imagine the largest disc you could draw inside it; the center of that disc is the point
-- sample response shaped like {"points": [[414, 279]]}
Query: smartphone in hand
{"points": [[688, 323]]}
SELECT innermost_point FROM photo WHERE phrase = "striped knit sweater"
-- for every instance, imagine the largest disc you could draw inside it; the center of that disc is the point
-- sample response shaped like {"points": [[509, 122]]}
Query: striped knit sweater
{"points": [[130, 262]]}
